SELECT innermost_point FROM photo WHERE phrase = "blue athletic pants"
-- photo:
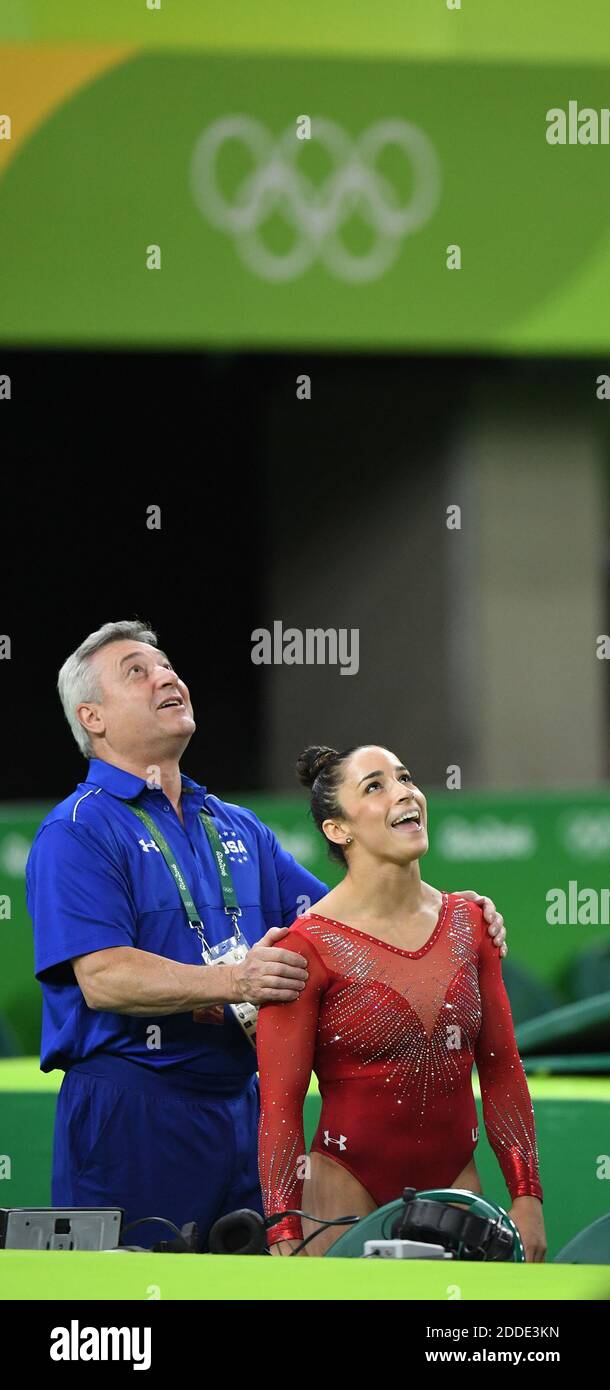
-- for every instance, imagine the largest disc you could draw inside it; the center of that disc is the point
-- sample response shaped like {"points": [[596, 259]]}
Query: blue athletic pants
{"points": [[131, 1137]]}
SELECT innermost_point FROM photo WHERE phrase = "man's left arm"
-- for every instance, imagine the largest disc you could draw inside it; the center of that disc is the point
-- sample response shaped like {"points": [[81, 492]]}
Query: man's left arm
{"points": [[494, 919]]}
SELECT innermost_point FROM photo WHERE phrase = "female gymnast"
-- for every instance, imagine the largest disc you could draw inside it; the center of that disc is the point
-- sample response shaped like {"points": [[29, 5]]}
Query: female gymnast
{"points": [[404, 993]]}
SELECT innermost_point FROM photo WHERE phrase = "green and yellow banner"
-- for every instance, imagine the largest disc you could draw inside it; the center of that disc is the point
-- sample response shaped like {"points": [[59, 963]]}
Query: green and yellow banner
{"points": [[253, 176]]}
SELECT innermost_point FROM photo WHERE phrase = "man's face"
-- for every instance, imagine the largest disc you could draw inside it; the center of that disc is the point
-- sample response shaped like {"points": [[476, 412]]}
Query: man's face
{"points": [[145, 710]]}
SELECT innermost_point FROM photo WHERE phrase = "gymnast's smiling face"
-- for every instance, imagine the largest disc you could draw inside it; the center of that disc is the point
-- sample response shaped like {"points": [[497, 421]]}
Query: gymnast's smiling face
{"points": [[383, 811]]}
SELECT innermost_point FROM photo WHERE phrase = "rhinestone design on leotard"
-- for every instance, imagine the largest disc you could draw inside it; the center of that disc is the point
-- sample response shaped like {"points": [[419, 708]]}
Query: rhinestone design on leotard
{"points": [[392, 1036]]}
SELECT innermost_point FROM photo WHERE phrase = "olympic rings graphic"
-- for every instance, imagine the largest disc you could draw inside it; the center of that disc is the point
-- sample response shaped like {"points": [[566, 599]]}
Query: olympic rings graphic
{"points": [[317, 213]]}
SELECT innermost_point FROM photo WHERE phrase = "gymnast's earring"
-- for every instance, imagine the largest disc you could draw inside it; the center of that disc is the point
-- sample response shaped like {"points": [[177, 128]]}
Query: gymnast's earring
{"points": [[348, 840]]}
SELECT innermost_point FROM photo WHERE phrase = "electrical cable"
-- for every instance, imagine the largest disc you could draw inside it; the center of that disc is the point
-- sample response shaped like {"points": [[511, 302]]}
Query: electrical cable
{"points": [[340, 1221], [141, 1219]]}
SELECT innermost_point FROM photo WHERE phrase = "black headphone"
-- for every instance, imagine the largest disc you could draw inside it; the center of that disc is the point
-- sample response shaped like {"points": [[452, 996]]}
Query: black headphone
{"points": [[463, 1233], [242, 1232]]}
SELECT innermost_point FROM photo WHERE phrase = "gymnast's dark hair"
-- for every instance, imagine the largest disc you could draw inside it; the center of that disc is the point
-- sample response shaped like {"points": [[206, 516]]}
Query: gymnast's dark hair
{"points": [[320, 769]]}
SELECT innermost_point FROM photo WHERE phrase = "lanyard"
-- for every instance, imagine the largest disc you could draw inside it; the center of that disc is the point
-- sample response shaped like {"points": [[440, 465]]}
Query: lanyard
{"points": [[229, 896]]}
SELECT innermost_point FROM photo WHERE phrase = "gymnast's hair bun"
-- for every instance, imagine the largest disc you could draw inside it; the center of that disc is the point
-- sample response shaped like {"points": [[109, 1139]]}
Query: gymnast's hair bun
{"points": [[311, 762]]}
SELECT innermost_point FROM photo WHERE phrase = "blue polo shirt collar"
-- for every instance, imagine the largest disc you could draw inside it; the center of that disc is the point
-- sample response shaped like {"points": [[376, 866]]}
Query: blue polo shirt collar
{"points": [[126, 786]]}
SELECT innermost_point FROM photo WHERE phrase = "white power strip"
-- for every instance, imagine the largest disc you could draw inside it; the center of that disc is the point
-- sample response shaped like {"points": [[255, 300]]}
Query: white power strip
{"points": [[404, 1250]]}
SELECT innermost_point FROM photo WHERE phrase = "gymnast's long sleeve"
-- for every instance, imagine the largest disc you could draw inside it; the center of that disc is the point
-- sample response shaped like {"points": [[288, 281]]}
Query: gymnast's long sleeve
{"points": [[285, 1044], [507, 1107]]}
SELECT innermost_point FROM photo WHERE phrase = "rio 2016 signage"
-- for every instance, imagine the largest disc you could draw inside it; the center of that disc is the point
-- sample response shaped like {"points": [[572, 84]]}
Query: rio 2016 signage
{"points": [[178, 197]]}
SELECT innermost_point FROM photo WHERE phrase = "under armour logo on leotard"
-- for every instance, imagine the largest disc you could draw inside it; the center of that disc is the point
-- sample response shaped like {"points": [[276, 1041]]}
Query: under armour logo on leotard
{"points": [[341, 1141]]}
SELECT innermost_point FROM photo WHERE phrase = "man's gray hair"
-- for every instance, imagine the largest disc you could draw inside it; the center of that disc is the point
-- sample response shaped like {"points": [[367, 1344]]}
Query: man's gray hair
{"points": [[78, 680]]}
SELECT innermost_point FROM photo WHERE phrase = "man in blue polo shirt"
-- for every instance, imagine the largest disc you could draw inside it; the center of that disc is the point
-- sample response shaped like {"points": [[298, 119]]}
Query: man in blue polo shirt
{"points": [[133, 883]]}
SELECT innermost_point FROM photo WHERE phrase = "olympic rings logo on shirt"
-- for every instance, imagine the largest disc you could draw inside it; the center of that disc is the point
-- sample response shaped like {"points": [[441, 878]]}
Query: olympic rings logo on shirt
{"points": [[317, 213]]}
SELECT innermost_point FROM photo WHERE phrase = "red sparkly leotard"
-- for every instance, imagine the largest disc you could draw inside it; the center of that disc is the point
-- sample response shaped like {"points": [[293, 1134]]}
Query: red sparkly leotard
{"points": [[392, 1036]]}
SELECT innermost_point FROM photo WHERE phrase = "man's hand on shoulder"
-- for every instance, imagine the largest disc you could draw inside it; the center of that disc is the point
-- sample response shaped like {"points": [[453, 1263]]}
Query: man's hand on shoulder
{"points": [[494, 919], [268, 974]]}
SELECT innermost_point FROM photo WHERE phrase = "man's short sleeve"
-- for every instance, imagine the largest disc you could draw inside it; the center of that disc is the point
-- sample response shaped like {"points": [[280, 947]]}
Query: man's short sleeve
{"points": [[78, 897], [298, 888]]}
